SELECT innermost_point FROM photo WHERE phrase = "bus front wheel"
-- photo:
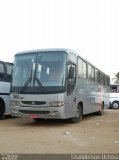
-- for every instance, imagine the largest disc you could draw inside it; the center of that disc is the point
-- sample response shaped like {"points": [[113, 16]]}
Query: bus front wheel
{"points": [[79, 113]]}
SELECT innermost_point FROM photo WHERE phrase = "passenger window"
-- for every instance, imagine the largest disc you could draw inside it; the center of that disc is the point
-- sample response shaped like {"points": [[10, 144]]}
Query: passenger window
{"points": [[9, 72], [1, 71], [98, 77], [1, 68], [91, 73], [102, 78], [82, 69]]}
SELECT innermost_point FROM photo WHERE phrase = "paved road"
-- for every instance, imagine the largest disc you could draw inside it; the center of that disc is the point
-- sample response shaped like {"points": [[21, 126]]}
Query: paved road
{"points": [[94, 134]]}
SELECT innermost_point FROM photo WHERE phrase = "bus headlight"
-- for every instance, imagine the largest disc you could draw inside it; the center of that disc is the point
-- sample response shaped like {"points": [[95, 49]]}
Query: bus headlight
{"points": [[14, 103], [56, 104]]}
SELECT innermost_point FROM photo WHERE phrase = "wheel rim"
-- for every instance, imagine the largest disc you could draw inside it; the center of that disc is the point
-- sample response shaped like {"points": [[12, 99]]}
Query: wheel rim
{"points": [[115, 105]]}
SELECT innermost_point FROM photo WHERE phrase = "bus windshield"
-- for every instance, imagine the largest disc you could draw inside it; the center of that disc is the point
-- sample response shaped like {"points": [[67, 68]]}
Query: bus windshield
{"points": [[41, 72]]}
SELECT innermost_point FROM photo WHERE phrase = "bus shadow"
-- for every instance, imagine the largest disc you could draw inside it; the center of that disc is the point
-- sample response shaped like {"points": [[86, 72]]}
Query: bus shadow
{"points": [[29, 122], [45, 122], [7, 117], [53, 122]]}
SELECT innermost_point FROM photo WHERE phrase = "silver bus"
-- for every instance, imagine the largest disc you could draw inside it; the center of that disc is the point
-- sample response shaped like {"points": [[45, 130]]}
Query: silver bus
{"points": [[5, 80], [58, 84], [114, 96]]}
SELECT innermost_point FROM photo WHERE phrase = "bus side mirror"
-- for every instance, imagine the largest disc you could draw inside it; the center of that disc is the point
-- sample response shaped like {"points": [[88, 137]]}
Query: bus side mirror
{"points": [[71, 72]]}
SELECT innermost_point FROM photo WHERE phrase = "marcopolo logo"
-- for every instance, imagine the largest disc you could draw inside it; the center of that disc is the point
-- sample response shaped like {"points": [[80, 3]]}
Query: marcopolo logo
{"points": [[33, 103]]}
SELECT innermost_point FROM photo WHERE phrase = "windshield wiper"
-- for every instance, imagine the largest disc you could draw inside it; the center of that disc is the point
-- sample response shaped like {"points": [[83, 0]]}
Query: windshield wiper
{"points": [[25, 84], [38, 81]]}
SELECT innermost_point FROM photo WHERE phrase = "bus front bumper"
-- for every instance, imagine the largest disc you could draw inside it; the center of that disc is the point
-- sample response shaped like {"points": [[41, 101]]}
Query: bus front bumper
{"points": [[35, 112]]}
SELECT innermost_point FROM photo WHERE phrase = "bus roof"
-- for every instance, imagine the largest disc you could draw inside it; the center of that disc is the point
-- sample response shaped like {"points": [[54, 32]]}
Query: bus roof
{"points": [[45, 50], [7, 62]]}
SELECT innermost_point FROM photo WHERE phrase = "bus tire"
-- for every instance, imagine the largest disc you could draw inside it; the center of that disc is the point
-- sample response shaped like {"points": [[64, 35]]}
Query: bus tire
{"points": [[115, 105], [2, 109], [78, 117]]}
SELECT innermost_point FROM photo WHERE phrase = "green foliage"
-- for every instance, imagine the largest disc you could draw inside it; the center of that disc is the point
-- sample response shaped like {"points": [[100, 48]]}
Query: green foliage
{"points": [[117, 78]]}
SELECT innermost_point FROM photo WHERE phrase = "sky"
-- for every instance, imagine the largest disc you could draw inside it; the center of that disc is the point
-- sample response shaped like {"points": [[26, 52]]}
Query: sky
{"points": [[90, 27]]}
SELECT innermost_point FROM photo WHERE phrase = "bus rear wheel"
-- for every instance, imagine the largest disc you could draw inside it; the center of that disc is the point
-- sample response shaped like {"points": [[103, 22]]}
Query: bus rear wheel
{"points": [[115, 105], [2, 111], [78, 117]]}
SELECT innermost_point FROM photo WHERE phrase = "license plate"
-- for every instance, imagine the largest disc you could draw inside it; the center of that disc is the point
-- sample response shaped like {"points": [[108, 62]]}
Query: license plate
{"points": [[34, 116]]}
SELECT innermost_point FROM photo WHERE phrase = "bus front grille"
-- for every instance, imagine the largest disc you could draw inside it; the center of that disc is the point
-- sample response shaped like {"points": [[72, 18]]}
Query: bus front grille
{"points": [[34, 102], [34, 112]]}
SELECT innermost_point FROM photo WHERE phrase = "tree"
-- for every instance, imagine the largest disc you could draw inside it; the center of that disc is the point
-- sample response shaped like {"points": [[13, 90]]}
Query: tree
{"points": [[116, 78]]}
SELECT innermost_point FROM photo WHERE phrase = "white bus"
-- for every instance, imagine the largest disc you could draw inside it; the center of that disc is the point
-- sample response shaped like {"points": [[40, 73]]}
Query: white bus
{"points": [[114, 96], [5, 80], [57, 83]]}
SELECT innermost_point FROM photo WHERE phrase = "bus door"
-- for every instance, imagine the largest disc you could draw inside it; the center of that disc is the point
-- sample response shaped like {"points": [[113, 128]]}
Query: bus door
{"points": [[71, 82]]}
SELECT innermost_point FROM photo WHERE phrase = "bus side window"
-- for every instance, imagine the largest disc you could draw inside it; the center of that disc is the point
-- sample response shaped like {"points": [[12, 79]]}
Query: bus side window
{"points": [[114, 89], [82, 69], [9, 72], [2, 71], [91, 73]]}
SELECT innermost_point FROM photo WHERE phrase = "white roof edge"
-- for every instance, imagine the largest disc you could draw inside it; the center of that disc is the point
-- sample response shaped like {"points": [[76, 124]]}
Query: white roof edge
{"points": [[47, 49]]}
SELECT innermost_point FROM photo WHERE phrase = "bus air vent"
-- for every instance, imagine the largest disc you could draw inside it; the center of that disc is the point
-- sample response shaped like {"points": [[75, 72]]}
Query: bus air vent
{"points": [[34, 102], [34, 112]]}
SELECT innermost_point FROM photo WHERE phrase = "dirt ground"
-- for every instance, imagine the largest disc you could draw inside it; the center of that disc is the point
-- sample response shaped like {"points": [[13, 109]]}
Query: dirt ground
{"points": [[94, 134]]}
